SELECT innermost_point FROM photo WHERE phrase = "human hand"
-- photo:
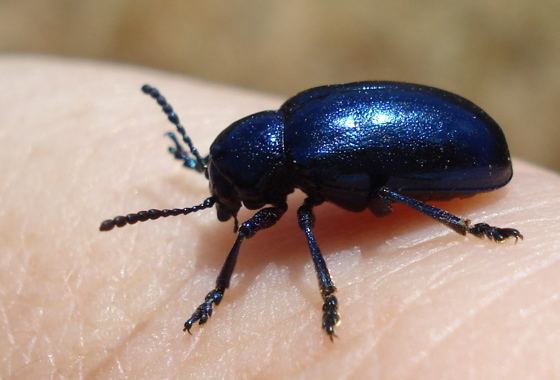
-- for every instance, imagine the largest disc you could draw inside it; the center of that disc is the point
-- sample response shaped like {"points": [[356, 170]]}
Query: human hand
{"points": [[80, 143]]}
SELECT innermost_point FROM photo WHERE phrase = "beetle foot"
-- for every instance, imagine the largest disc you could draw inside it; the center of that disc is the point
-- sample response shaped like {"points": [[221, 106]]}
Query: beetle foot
{"points": [[494, 233], [331, 319], [179, 153], [204, 311]]}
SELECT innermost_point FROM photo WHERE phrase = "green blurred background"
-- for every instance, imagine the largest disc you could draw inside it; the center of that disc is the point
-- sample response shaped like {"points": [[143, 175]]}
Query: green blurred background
{"points": [[503, 55]]}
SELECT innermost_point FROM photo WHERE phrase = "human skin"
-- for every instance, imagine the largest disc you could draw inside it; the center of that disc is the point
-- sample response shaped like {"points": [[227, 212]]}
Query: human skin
{"points": [[80, 143]]}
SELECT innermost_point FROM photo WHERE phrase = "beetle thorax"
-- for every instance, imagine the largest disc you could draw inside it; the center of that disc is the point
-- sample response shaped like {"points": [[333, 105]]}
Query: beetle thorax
{"points": [[247, 164]]}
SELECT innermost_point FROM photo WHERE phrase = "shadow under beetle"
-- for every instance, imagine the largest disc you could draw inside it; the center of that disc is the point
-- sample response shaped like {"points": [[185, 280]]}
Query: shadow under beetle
{"points": [[358, 145]]}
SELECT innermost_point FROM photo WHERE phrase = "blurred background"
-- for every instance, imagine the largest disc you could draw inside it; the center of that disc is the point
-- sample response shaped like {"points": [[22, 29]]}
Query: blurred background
{"points": [[504, 54]]}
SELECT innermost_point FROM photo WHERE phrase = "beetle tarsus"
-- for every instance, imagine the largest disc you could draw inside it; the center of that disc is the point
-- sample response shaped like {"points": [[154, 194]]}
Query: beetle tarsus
{"points": [[205, 309], [179, 153], [494, 233], [331, 319]]}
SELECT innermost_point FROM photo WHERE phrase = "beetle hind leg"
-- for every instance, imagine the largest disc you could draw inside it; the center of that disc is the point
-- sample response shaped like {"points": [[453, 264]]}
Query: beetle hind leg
{"points": [[494, 233], [460, 225]]}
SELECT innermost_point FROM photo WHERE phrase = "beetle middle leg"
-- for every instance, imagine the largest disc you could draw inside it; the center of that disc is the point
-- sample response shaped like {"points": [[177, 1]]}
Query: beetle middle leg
{"points": [[264, 218], [460, 225], [306, 220]]}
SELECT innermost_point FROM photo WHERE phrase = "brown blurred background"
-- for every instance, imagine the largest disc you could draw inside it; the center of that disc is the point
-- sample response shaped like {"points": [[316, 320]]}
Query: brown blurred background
{"points": [[502, 54]]}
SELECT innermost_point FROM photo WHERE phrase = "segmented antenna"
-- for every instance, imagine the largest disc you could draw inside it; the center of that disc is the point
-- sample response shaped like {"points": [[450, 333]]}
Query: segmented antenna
{"points": [[142, 216], [174, 118]]}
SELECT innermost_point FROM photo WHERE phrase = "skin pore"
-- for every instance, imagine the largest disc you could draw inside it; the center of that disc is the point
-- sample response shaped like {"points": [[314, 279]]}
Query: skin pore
{"points": [[80, 143]]}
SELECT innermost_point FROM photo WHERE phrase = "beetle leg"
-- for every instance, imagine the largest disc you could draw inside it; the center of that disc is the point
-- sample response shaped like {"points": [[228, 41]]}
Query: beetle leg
{"points": [[306, 220], [264, 218], [460, 225], [179, 153]]}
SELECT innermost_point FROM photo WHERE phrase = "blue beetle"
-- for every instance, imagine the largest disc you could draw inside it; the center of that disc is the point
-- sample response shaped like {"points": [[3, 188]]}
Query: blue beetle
{"points": [[358, 145]]}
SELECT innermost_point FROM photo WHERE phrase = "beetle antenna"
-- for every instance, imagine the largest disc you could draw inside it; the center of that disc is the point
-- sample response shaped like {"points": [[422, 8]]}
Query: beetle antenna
{"points": [[174, 119], [142, 216]]}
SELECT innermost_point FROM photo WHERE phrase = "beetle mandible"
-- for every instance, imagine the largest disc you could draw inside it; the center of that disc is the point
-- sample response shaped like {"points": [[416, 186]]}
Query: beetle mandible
{"points": [[358, 145]]}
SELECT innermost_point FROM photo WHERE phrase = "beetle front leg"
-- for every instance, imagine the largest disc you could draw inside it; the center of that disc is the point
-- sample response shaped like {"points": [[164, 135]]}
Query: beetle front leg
{"points": [[179, 153], [264, 218], [306, 220], [460, 225]]}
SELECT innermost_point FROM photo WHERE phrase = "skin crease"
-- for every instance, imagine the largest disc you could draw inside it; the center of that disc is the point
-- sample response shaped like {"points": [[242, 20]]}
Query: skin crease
{"points": [[80, 143]]}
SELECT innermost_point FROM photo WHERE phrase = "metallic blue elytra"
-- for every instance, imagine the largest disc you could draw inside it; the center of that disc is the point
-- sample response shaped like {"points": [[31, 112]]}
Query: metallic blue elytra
{"points": [[346, 141], [358, 145]]}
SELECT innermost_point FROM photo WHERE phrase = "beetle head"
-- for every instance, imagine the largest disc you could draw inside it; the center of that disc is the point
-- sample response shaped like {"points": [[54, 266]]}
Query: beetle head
{"points": [[247, 165]]}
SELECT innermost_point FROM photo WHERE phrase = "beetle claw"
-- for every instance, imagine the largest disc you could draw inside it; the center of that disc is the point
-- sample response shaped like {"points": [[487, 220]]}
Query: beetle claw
{"points": [[495, 233]]}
